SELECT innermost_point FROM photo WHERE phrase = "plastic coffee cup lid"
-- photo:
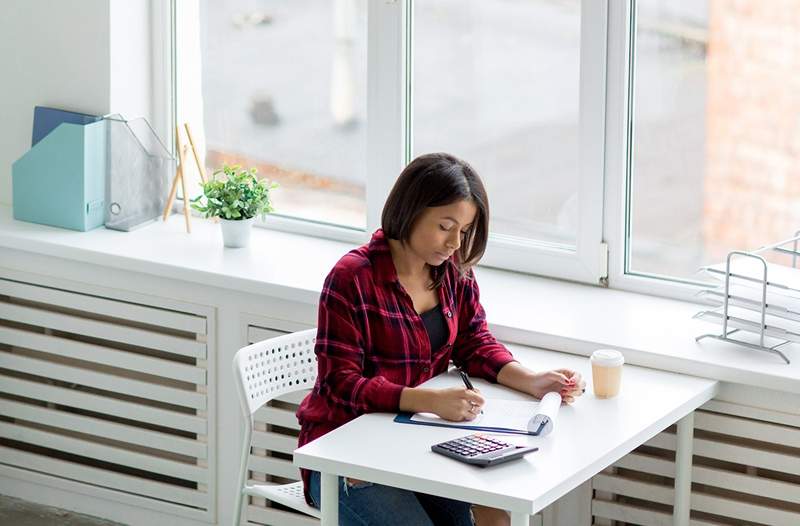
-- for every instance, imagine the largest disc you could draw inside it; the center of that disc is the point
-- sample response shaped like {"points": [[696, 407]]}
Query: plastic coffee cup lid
{"points": [[607, 358]]}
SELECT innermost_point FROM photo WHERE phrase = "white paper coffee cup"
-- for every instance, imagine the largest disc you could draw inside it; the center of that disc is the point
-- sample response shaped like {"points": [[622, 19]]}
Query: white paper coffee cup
{"points": [[606, 372]]}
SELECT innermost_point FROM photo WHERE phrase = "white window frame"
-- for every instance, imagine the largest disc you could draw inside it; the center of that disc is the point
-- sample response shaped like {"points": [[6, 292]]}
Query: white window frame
{"points": [[162, 55], [618, 169], [587, 260], [389, 147], [388, 81]]}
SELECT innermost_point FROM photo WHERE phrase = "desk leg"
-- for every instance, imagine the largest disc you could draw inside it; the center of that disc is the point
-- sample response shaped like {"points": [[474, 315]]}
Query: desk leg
{"points": [[683, 471], [520, 519], [329, 499]]}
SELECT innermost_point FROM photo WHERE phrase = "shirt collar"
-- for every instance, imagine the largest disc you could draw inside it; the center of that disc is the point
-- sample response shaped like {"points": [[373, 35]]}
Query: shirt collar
{"points": [[381, 257]]}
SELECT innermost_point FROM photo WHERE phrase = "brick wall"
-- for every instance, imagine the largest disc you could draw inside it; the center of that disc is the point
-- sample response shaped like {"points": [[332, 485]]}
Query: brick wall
{"points": [[752, 183]]}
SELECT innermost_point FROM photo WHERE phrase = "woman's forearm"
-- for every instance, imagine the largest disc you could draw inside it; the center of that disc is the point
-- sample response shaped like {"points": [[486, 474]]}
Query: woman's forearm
{"points": [[417, 400], [566, 382], [516, 376]]}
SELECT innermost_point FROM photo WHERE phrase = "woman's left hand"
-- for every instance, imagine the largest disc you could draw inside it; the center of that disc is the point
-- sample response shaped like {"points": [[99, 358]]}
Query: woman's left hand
{"points": [[566, 382]]}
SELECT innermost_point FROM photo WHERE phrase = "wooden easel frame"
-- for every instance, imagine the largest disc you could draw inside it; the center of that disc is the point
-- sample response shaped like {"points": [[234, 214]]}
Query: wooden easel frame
{"points": [[181, 148]]}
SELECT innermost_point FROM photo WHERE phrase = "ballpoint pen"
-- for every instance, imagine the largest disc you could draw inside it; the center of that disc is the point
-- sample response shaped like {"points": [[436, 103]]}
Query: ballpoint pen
{"points": [[467, 382]]}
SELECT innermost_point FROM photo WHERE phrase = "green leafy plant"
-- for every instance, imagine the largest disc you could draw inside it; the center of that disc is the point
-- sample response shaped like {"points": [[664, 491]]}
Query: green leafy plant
{"points": [[240, 195]]}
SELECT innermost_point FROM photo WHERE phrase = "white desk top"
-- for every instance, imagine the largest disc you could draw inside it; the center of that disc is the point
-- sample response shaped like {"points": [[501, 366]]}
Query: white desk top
{"points": [[589, 436]]}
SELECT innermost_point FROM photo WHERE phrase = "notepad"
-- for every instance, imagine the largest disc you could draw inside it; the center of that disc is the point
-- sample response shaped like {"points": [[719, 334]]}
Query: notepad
{"points": [[502, 416], [513, 414], [47, 119]]}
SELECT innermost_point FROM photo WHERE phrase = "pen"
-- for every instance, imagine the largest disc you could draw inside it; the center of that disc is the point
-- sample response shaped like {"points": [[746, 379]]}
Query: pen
{"points": [[467, 382]]}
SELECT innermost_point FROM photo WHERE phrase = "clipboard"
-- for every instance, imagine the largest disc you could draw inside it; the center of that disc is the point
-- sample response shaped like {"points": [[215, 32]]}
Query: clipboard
{"points": [[405, 418]]}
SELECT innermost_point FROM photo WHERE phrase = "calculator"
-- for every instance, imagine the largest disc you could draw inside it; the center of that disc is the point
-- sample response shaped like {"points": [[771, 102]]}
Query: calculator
{"points": [[481, 450]]}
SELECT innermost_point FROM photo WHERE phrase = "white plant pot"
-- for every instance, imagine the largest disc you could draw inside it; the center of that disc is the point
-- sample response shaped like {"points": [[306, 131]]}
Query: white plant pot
{"points": [[236, 233]]}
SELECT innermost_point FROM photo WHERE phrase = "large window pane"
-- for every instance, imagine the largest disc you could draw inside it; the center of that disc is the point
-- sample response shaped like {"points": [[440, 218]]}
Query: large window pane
{"points": [[497, 83], [284, 89], [715, 149]]}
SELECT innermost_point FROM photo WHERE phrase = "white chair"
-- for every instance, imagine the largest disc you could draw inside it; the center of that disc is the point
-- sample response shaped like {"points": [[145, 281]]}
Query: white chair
{"points": [[263, 371]]}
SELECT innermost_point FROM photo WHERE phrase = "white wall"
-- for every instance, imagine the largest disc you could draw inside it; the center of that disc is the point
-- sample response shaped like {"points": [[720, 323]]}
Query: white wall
{"points": [[62, 54]]}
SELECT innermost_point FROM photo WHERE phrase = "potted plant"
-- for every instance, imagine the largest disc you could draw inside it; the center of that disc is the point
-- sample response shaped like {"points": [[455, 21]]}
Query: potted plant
{"points": [[236, 199]]}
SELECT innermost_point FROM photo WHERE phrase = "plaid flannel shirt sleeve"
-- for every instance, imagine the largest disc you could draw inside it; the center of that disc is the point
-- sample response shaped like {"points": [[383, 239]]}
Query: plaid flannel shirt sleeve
{"points": [[475, 348], [340, 349]]}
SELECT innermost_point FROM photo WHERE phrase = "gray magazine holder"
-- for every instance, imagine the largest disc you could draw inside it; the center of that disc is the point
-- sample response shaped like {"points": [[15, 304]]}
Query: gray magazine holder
{"points": [[139, 171]]}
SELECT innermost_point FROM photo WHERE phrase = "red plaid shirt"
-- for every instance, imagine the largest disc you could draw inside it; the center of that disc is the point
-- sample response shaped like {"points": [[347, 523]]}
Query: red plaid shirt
{"points": [[371, 343]]}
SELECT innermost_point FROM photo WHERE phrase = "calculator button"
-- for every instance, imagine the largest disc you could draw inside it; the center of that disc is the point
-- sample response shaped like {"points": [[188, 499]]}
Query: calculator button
{"points": [[472, 447]]}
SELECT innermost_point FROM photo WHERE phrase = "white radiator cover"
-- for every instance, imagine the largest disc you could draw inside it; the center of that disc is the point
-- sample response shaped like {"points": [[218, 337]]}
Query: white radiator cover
{"points": [[745, 470], [109, 394]]}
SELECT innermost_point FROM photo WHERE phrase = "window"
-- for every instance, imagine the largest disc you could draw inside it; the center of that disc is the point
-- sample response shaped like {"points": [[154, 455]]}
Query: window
{"points": [[516, 89], [292, 88], [282, 87], [714, 115], [658, 135], [495, 85]]}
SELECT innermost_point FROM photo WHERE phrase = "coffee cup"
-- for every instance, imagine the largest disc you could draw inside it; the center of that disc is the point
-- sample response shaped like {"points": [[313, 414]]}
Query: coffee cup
{"points": [[606, 372]]}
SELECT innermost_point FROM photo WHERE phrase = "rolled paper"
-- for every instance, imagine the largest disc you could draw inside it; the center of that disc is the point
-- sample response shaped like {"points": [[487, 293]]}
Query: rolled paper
{"points": [[543, 421]]}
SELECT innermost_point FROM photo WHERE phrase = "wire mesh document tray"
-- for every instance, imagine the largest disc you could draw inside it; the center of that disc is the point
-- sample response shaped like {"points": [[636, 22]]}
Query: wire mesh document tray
{"points": [[756, 297]]}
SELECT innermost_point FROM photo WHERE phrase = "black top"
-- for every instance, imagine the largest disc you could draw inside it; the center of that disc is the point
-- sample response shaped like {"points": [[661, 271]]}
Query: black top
{"points": [[436, 326]]}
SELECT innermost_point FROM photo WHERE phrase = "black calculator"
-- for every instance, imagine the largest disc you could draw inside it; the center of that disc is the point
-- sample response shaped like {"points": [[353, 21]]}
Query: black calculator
{"points": [[481, 450]]}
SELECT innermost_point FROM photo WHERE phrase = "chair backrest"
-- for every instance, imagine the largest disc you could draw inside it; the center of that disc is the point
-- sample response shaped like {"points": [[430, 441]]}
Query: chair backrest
{"points": [[274, 367]]}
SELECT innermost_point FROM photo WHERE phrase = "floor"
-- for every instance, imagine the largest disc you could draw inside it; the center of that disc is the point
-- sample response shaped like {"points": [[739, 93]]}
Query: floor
{"points": [[19, 512]]}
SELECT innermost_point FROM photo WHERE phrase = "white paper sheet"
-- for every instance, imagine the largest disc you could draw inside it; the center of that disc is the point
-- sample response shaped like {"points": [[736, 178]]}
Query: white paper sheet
{"points": [[786, 279], [511, 414]]}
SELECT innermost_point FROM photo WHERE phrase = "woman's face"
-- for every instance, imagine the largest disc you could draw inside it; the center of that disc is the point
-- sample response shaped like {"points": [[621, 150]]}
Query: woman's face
{"points": [[439, 231]]}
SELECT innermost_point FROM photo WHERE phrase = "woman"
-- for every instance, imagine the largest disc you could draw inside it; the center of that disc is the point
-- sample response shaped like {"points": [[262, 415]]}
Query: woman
{"points": [[394, 313]]}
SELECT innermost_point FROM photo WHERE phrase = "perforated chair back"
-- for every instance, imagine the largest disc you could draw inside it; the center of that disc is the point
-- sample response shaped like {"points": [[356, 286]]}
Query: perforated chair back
{"points": [[264, 371], [275, 367]]}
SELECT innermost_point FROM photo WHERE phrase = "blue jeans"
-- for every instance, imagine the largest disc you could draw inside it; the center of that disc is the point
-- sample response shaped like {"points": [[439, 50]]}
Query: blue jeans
{"points": [[368, 504]]}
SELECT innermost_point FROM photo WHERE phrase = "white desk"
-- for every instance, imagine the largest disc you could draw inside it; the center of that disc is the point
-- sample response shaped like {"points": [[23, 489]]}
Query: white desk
{"points": [[589, 436]]}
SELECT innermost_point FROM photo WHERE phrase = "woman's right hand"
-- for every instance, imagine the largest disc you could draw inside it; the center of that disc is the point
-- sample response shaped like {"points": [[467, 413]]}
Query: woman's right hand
{"points": [[457, 403]]}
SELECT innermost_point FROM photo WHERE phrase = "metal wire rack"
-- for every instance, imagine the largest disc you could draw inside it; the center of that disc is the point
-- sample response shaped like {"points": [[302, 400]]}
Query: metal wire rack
{"points": [[774, 290]]}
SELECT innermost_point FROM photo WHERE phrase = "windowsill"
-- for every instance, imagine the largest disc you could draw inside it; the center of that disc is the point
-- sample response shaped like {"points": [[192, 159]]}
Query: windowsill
{"points": [[651, 331]]}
